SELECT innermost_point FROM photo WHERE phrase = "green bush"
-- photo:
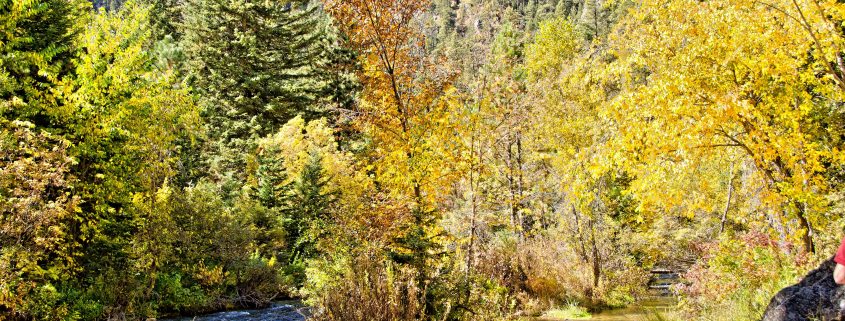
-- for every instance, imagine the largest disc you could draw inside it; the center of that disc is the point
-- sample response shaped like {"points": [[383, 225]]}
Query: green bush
{"points": [[175, 296]]}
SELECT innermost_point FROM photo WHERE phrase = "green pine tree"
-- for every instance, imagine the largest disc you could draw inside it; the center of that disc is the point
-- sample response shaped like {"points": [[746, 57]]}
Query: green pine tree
{"points": [[566, 8], [306, 215], [420, 247], [445, 14], [165, 17], [257, 64], [308, 208], [594, 20], [530, 15], [272, 190]]}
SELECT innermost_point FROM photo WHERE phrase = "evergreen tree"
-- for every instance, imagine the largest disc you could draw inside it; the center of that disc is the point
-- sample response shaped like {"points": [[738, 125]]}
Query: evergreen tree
{"points": [[530, 15], [165, 17], [594, 20], [306, 216], [420, 246], [257, 64], [445, 14], [272, 190], [566, 8], [545, 10], [309, 203]]}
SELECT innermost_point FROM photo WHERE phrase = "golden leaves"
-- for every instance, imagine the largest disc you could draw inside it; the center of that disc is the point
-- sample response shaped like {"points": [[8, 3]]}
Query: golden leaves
{"points": [[685, 90], [711, 84], [405, 104]]}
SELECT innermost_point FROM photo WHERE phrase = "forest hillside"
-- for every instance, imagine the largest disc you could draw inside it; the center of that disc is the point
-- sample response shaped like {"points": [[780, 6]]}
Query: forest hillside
{"points": [[386, 160]]}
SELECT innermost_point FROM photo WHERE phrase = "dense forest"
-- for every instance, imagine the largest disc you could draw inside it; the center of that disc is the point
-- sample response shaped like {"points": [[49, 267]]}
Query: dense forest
{"points": [[388, 160]]}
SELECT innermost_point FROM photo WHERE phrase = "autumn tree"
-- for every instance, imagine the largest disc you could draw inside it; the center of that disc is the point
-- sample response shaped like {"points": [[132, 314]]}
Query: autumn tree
{"points": [[36, 202], [405, 95], [112, 119], [745, 96], [404, 108], [36, 183], [123, 116], [310, 185]]}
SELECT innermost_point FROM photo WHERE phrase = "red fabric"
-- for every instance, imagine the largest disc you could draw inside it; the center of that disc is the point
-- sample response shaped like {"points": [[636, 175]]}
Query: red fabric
{"points": [[840, 255]]}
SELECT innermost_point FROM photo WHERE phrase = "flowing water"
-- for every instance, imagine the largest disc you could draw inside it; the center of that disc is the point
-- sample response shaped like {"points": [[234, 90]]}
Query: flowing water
{"points": [[280, 311], [648, 309]]}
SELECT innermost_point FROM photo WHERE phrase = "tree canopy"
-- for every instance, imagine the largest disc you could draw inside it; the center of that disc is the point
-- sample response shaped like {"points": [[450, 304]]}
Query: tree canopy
{"points": [[415, 160]]}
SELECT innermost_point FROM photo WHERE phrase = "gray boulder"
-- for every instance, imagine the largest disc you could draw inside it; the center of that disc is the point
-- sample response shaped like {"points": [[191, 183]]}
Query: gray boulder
{"points": [[816, 297]]}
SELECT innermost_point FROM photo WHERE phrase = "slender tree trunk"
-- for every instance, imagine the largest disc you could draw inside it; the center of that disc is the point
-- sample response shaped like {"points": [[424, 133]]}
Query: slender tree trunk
{"points": [[474, 205], [515, 222], [809, 245], [806, 229], [728, 200], [581, 242], [596, 16], [525, 222], [595, 254]]}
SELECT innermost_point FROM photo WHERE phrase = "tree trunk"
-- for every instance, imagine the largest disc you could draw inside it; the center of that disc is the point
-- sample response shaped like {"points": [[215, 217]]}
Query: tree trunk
{"points": [[728, 201], [806, 229], [595, 255], [581, 242], [527, 223], [515, 221]]}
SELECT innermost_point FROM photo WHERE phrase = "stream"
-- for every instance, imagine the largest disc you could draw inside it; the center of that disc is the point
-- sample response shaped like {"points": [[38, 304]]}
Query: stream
{"points": [[295, 311], [643, 310], [279, 311]]}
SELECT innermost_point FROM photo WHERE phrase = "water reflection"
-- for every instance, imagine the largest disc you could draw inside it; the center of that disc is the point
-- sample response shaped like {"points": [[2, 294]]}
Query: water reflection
{"points": [[643, 310]]}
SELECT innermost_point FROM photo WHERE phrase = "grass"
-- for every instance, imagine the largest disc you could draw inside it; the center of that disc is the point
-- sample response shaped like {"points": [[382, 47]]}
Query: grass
{"points": [[655, 315], [568, 312]]}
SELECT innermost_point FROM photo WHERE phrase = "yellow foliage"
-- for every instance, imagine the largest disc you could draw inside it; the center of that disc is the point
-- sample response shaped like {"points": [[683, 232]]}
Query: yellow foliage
{"points": [[297, 140], [406, 101], [688, 95]]}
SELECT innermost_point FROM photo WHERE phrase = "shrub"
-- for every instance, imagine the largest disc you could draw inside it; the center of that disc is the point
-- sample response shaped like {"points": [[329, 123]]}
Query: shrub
{"points": [[544, 271], [539, 272], [364, 288], [737, 277], [569, 312], [176, 296], [36, 204]]}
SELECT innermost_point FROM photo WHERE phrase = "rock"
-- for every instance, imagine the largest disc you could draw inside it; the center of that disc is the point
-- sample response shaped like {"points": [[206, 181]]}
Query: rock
{"points": [[816, 297]]}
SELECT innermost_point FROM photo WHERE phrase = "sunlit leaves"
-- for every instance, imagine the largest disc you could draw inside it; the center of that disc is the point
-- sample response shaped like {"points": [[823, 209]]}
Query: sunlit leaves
{"points": [[121, 104], [36, 46], [691, 85], [298, 141], [406, 101], [554, 44]]}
